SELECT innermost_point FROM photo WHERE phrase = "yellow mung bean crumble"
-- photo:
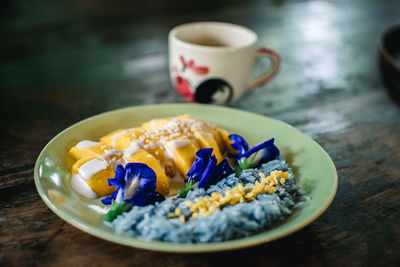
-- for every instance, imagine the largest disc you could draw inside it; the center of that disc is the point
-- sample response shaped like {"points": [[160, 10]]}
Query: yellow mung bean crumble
{"points": [[238, 194]]}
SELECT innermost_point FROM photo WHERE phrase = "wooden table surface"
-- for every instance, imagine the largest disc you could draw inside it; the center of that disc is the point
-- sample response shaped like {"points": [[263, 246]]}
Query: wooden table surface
{"points": [[63, 61]]}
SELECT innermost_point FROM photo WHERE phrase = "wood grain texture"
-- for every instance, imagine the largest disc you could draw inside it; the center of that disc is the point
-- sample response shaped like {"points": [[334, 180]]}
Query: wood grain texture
{"points": [[63, 61]]}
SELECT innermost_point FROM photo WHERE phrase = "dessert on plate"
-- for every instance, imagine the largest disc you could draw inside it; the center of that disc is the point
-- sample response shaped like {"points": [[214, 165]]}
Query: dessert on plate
{"points": [[227, 188]]}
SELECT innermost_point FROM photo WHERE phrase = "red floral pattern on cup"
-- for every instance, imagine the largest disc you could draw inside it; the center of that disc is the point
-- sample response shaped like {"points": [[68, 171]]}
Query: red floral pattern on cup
{"points": [[184, 89], [199, 70], [182, 84]]}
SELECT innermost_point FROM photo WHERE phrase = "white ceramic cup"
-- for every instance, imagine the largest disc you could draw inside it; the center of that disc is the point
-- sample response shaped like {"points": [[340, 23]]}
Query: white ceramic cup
{"points": [[211, 62]]}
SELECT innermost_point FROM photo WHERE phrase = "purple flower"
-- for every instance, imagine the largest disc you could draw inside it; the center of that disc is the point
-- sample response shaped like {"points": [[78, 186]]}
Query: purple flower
{"points": [[250, 158], [135, 185], [222, 170], [203, 167], [205, 171]]}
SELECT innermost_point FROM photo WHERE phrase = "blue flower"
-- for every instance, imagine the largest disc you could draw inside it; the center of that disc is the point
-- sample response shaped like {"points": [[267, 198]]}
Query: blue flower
{"points": [[205, 171], [135, 186], [222, 170], [250, 158], [203, 167]]}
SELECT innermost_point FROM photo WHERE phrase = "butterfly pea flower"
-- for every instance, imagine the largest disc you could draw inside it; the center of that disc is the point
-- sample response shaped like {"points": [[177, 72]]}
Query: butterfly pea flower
{"points": [[250, 158], [135, 186], [205, 171]]}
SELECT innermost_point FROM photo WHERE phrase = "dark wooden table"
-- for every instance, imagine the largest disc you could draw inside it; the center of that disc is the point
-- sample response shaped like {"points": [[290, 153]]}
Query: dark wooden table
{"points": [[62, 61]]}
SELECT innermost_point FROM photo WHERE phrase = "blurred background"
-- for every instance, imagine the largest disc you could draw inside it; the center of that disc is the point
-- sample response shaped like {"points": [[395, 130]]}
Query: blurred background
{"points": [[63, 61], [61, 50]]}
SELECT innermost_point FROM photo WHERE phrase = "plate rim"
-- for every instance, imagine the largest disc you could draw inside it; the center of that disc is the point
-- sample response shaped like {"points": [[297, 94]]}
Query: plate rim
{"points": [[164, 246]]}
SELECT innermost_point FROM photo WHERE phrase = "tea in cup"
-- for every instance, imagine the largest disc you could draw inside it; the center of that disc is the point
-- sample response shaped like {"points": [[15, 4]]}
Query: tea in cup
{"points": [[211, 62]]}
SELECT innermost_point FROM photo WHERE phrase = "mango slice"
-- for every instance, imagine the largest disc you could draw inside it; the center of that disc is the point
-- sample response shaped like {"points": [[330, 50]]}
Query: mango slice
{"points": [[161, 123], [183, 151], [156, 124], [186, 117], [86, 148], [122, 139], [143, 156], [99, 171], [206, 140], [99, 182], [111, 137], [226, 141]]}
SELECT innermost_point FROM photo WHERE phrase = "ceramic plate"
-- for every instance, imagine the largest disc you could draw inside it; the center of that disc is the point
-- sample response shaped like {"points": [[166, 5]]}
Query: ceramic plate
{"points": [[313, 167]]}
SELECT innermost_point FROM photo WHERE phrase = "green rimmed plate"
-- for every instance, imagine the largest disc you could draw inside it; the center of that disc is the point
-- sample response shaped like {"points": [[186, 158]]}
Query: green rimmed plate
{"points": [[313, 167]]}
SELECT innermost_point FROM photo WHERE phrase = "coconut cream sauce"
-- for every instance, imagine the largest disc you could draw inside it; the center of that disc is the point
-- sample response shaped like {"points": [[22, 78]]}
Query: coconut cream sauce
{"points": [[80, 186], [86, 144]]}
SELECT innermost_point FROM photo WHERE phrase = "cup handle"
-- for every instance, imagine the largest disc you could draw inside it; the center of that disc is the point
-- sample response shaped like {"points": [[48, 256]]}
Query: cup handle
{"points": [[276, 61]]}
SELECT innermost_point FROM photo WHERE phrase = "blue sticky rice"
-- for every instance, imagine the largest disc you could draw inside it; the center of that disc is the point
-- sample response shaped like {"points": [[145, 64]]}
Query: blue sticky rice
{"points": [[231, 222]]}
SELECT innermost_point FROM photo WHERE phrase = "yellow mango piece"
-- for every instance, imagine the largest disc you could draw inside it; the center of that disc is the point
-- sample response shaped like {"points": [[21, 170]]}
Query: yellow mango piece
{"points": [[143, 156], [157, 152], [155, 124], [186, 117], [202, 127], [99, 182], [153, 145], [226, 141], [218, 139], [109, 138], [86, 148], [183, 151], [80, 162], [161, 123], [207, 140], [122, 139]]}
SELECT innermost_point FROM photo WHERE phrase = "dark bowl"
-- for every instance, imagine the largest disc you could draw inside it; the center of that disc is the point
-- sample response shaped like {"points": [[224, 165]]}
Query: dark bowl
{"points": [[389, 61]]}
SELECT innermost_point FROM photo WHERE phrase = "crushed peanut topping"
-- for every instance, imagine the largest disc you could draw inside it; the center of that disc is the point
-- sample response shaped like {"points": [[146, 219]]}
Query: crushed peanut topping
{"points": [[238, 194]]}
